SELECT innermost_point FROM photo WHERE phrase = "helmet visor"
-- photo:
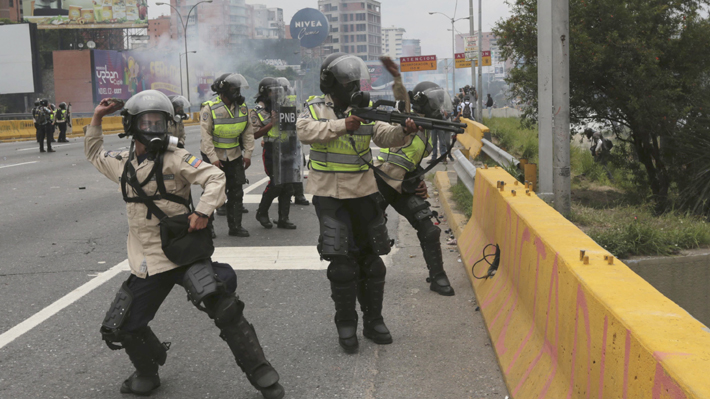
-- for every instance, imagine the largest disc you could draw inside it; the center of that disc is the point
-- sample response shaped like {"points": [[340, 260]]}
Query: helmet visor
{"points": [[349, 68], [435, 98], [277, 95], [236, 80], [151, 123]]}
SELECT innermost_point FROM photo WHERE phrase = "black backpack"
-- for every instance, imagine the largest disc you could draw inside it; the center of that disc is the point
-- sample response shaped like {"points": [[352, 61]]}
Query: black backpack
{"points": [[466, 110]]}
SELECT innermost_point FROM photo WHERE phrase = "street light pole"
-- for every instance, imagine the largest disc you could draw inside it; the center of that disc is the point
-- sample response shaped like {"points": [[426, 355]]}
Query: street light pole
{"points": [[471, 31], [453, 46], [182, 90], [184, 30], [480, 62]]}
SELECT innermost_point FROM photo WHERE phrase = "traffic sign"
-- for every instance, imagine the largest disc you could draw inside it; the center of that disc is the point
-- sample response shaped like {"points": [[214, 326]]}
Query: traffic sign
{"points": [[471, 48], [418, 63], [463, 62]]}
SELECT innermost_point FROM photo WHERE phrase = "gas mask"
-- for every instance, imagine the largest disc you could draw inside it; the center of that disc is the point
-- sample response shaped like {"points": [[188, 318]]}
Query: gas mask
{"points": [[234, 95], [151, 130], [350, 92]]}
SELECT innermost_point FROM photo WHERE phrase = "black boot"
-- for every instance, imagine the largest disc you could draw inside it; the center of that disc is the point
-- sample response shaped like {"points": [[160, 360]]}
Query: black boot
{"points": [[242, 340], [371, 292], [244, 209], [345, 296], [262, 213], [284, 208], [438, 280], [147, 354], [41, 147], [234, 220], [300, 199], [222, 210]]}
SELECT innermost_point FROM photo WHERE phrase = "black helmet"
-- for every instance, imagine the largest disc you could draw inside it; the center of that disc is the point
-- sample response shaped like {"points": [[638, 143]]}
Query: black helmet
{"points": [[52, 107], [43, 102], [589, 132], [180, 107], [216, 84], [231, 87], [37, 104], [271, 91], [147, 116], [430, 99], [63, 105], [340, 76]]}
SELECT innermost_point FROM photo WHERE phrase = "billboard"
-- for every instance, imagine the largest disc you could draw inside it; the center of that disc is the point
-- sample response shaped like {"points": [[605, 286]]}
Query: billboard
{"points": [[380, 79], [310, 27], [418, 63], [18, 59], [86, 14], [123, 74]]}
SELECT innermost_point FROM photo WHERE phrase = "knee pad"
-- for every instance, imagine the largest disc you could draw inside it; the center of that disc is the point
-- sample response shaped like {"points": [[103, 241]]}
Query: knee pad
{"points": [[377, 233], [227, 309], [374, 266], [428, 232], [342, 269], [333, 240], [418, 208], [200, 282], [116, 316]]}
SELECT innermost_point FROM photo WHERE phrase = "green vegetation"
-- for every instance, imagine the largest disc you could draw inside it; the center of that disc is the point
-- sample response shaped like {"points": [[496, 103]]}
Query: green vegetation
{"points": [[462, 198], [611, 203]]}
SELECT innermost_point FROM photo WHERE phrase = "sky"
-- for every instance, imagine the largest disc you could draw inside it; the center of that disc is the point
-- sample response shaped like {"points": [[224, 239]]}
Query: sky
{"points": [[412, 15]]}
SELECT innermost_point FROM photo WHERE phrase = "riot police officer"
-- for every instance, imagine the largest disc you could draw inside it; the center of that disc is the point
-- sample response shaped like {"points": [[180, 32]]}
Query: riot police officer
{"points": [[155, 178], [408, 197], [353, 233], [228, 141], [299, 197], [180, 106], [264, 122], [61, 121], [46, 128]]}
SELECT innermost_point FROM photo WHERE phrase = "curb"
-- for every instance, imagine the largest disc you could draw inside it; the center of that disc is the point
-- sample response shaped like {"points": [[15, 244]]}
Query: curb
{"points": [[457, 221], [74, 134]]}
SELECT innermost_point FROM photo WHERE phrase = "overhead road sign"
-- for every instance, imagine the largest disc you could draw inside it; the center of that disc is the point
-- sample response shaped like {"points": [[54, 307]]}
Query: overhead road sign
{"points": [[418, 63]]}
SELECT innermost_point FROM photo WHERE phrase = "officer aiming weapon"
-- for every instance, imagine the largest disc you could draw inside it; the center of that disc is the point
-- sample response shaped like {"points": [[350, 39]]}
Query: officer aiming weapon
{"points": [[374, 113]]}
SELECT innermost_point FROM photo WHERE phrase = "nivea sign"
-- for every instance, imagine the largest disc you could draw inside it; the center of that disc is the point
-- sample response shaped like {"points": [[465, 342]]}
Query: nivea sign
{"points": [[310, 27]]}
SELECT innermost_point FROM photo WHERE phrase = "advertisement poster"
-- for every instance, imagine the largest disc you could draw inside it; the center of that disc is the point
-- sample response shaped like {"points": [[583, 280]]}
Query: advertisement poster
{"points": [[86, 14], [123, 74]]}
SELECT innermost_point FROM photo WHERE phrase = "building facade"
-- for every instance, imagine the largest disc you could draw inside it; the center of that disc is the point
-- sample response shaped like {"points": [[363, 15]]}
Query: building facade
{"points": [[222, 24], [392, 41], [11, 9], [160, 33], [411, 47], [355, 27], [265, 23]]}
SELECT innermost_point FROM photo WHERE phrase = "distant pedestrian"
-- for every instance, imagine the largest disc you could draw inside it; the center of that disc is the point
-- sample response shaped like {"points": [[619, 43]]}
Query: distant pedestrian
{"points": [[489, 106], [465, 109], [46, 128]]}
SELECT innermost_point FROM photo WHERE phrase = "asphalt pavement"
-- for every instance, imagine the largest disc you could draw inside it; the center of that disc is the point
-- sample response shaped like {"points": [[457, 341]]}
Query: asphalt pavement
{"points": [[63, 243]]}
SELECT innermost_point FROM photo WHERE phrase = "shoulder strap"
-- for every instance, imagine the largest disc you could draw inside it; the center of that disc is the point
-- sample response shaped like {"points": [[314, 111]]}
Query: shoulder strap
{"points": [[129, 177], [158, 169]]}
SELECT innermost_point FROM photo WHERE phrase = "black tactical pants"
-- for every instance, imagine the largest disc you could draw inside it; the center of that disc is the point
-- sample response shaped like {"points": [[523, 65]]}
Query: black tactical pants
{"points": [[45, 132], [150, 292], [62, 131], [282, 191], [236, 178]]}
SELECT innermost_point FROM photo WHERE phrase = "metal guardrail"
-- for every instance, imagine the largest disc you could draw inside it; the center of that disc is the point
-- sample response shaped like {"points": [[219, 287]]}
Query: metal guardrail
{"points": [[498, 155], [467, 172]]}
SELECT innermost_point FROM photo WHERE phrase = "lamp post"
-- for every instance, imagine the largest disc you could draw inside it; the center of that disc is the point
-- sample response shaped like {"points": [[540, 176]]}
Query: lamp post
{"points": [[182, 90], [453, 44], [184, 30]]}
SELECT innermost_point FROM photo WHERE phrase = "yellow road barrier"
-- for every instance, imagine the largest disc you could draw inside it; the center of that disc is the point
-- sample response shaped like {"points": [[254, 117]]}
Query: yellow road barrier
{"points": [[566, 319]]}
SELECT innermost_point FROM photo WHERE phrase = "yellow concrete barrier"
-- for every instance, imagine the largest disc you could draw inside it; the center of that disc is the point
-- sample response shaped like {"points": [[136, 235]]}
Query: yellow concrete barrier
{"points": [[563, 327], [471, 139], [25, 130]]}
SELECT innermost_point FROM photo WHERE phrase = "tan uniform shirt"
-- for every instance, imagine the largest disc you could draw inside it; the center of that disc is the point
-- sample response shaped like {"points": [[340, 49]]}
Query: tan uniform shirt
{"points": [[223, 154], [396, 171], [145, 252], [254, 119], [342, 185]]}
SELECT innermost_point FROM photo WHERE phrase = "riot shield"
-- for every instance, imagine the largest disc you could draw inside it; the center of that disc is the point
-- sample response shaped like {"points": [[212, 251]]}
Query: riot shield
{"points": [[287, 151]]}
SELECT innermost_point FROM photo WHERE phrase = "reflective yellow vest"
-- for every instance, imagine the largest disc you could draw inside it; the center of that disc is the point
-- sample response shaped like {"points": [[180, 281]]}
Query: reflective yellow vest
{"points": [[227, 130], [274, 133], [61, 116], [410, 156], [338, 156]]}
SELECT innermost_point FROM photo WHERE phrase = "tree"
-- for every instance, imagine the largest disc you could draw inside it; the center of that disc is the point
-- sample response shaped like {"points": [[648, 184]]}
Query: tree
{"points": [[639, 64]]}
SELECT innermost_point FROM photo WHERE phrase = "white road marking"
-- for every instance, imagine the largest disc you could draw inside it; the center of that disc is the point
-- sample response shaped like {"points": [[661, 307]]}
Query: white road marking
{"points": [[35, 148], [256, 198], [240, 258], [44, 314], [17, 164], [256, 185]]}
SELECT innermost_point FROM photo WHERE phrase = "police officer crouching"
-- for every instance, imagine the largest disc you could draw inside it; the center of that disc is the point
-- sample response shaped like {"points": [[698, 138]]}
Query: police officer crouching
{"points": [[228, 141], [407, 198], [353, 231], [264, 121], [155, 177]]}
